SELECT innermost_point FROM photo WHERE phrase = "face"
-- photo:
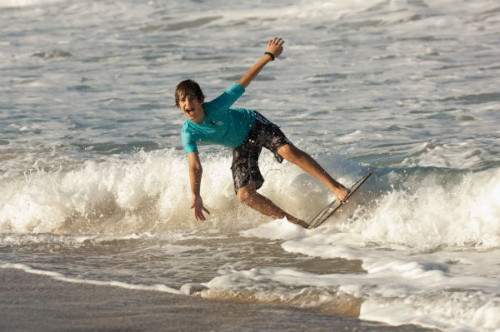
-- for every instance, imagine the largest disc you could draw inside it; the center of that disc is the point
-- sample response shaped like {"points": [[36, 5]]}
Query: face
{"points": [[191, 107]]}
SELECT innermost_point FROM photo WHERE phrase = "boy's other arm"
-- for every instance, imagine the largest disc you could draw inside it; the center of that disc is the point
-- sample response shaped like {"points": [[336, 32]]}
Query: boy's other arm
{"points": [[275, 47], [195, 172]]}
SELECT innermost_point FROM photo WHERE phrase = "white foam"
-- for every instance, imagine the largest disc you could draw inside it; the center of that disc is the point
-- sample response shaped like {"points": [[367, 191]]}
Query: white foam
{"points": [[25, 3], [354, 136], [304, 10], [460, 311], [432, 215], [407, 281], [452, 155], [398, 288], [441, 290], [276, 229], [145, 191], [61, 277]]}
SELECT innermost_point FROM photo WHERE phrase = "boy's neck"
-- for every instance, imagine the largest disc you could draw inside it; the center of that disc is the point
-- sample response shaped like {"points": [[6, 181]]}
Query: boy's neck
{"points": [[200, 119]]}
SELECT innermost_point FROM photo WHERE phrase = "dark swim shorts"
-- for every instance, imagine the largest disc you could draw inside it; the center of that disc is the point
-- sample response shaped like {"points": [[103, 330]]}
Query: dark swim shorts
{"points": [[245, 164]]}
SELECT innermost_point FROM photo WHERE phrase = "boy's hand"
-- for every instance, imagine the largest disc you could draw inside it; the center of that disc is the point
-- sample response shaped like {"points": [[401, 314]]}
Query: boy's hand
{"points": [[275, 46], [199, 208]]}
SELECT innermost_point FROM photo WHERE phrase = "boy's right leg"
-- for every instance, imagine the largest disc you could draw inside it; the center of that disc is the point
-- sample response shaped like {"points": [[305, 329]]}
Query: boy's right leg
{"points": [[249, 196], [310, 166]]}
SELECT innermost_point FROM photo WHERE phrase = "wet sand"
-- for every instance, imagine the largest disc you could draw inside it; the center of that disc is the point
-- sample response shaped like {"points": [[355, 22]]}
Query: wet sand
{"points": [[38, 303]]}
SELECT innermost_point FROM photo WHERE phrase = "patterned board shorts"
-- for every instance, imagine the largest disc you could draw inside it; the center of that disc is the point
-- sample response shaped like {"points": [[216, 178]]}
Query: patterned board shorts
{"points": [[245, 166]]}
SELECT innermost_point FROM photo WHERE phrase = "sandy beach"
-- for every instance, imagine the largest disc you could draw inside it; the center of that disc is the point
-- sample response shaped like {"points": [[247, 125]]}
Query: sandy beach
{"points": [[38, 303]]}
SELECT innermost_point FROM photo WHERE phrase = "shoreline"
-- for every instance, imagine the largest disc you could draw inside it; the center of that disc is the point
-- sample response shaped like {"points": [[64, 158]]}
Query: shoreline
{"points": [[32, 302]]}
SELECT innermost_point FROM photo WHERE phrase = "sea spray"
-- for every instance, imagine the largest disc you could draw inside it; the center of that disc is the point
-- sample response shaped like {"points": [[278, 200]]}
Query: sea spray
{"points": [[149, 191]]}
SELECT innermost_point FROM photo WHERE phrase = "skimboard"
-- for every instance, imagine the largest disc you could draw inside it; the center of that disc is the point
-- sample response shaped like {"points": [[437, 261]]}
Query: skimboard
{"points": [[330, 209]]}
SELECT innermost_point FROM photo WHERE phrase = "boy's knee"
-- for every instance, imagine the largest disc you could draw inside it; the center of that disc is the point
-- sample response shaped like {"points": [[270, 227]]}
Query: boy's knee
{"points": [[244, 194], [290, 152]]}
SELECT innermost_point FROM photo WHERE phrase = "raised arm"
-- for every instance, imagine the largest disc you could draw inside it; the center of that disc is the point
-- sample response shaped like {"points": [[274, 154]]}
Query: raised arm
{"points": [[274, 48], [195, 172]]}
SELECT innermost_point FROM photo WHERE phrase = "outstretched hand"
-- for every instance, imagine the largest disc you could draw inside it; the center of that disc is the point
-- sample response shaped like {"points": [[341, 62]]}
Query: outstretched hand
{"points": [[199, 208], [275, 46]]}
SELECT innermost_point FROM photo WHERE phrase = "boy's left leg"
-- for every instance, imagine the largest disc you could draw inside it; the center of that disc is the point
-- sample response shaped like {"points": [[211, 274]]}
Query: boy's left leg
{"points": [[249, 196], [311, 167]]}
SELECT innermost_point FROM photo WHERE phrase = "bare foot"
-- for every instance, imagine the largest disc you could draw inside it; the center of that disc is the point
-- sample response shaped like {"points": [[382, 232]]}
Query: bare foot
{"points": [[342, 193], [299, 222]]}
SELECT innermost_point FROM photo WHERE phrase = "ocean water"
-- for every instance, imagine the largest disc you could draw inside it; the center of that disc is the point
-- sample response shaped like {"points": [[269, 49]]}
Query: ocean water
{"points": [[94, 185]]}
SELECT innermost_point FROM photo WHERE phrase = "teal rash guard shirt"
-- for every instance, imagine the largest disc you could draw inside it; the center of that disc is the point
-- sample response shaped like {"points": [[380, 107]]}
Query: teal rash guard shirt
{"points": [[221, 124]]}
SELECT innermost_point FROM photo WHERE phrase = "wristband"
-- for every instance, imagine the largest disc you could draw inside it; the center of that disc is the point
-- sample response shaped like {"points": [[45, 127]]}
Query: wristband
{"points": [[271, 55]]}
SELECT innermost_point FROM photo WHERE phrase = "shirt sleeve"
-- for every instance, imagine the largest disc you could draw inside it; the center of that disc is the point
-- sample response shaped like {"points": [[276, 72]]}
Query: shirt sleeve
{"points": [[227, 98], [188, 142]]}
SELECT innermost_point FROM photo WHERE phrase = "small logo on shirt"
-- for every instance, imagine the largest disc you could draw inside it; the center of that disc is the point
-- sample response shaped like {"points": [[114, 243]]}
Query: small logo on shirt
{"points": [[217, 123]]}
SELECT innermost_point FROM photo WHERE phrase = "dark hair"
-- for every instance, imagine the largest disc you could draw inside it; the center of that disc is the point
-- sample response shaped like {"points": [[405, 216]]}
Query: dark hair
{"points": [[188, 87]]}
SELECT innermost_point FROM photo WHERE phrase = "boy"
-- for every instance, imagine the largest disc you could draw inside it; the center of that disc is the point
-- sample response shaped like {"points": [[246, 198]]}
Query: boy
{"points": [[245, 131]]}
